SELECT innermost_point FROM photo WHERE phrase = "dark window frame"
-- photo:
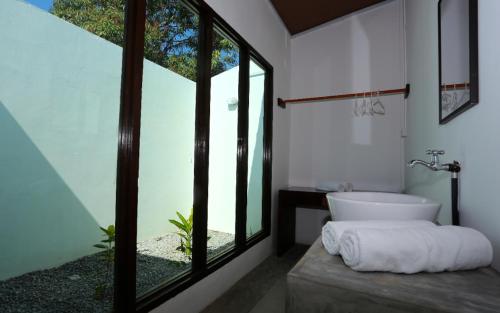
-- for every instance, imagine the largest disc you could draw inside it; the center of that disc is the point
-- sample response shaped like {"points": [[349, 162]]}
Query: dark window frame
{"points": [[128, 159]]}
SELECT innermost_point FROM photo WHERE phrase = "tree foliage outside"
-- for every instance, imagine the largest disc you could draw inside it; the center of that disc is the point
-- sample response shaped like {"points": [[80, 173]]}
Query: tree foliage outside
{"points": [[171, 32]]}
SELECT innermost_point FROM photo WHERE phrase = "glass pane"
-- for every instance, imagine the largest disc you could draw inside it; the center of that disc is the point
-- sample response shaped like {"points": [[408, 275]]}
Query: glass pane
{"points": [[60, 77], [223, 145], [166, 168], [255, 149]]}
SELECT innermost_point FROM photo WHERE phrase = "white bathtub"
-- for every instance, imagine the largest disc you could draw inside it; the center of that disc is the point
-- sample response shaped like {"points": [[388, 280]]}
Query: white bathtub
{"points": [[381, 206]]}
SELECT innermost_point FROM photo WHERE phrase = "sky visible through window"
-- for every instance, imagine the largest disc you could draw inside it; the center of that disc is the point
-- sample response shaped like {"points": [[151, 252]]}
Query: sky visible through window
{"points": [[42, 4]]}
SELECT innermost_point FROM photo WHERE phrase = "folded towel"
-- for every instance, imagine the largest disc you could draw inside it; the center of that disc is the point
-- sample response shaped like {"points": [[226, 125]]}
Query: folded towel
{"points": [[332, 231], [333, 186], [377, 187], [413, 250]]}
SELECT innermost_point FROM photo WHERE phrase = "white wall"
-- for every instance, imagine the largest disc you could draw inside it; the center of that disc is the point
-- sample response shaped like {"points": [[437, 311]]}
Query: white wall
{"points": [[471, 138], [361, 52], [259, 24]]}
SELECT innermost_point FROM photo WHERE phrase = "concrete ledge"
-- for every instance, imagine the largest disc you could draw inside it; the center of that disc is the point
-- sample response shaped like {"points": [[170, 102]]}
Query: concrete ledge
{"points": [[322, 283]]}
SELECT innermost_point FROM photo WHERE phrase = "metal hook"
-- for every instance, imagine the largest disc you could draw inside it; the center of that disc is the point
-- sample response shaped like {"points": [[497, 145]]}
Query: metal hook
{"points": [[378, 106], [455, 97], [363, 107], [358, 105]]}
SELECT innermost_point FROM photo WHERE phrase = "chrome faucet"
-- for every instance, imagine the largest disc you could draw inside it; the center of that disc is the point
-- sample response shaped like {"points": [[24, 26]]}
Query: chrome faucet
{"points": [[454, 168], [434, 164]]}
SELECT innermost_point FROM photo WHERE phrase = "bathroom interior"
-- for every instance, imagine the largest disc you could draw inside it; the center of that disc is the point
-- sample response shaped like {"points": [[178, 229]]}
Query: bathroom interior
{"points": [[249, 156]]}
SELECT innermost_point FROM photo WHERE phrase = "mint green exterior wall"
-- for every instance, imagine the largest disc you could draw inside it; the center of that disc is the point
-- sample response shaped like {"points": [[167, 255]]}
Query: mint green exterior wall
{"points": [[59, 103], [59, 107], [223, 144], [166, 170], [255, 149]]}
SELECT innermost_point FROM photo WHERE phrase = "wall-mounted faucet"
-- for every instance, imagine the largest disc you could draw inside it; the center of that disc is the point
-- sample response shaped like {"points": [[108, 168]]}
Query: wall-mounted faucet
{"points": [[454, 168], [435, 164]]}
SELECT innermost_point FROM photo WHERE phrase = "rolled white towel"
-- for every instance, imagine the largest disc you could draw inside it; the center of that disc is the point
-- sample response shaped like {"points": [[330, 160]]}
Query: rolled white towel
{"points": [[332, 186], [413, 250], [332, 231]]}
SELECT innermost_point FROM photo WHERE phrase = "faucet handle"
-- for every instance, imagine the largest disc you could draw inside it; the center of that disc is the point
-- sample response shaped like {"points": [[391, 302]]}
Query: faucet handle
{"points": [[434, 152]]}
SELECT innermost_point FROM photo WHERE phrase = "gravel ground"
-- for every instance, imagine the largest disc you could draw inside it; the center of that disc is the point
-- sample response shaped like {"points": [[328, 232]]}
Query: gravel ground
{"points": [[72, 287], [157, 259]]}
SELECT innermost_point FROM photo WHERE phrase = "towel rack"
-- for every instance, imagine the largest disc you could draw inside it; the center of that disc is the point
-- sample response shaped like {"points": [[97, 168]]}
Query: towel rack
{"points": [[455, 86], [406, 91]]}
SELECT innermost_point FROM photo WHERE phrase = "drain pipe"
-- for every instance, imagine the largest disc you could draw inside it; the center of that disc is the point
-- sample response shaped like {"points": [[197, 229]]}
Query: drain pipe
{"points": [[454, 168]]}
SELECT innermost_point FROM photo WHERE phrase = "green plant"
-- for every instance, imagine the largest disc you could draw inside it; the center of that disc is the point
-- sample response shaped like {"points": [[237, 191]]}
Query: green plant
{"points": [[170, 32], [100, 291], [185, 232], [108, 245]]}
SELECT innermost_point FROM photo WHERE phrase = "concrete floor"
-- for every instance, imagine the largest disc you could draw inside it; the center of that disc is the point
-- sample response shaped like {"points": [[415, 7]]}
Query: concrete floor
{"points": [[262, 290]]}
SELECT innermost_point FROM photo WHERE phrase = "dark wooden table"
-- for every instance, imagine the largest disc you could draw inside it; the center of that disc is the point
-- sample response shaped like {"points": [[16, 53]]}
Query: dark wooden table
{"points": [[289, 199]]}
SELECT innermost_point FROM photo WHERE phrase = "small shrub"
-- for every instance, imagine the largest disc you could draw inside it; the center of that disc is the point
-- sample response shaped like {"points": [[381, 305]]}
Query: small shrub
{"points": [[108, 245], [185, 232], [100, 291]]}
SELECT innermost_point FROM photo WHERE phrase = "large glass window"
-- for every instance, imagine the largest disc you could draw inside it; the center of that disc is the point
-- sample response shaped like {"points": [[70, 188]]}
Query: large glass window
{"points": [[223, 145], [68, 126], [60, 75], [165, 199]]}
